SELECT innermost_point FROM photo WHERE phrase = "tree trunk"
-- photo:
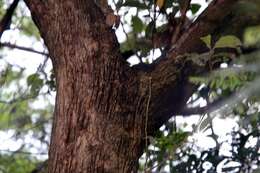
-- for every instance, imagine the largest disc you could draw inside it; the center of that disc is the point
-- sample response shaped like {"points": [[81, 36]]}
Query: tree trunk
{"points": [[98, 115], [98, 120]]}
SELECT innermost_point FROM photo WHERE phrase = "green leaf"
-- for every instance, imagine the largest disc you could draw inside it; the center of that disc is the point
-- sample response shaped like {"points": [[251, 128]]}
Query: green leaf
{"points": [[32, 78], [8, 75], [240, 109], [17, 163], [4, 119], [195, 8], [35, 83], [228, 41], [207, 40], [252, 36], [198, 80], [137, 24]]}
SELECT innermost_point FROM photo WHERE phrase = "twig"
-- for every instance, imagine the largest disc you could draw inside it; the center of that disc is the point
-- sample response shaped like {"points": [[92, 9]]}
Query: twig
{"points": [[14, 46]]}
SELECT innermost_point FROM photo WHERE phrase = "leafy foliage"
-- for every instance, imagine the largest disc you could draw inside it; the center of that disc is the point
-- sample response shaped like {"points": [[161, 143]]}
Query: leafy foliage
{"points": [[16, 163], [236, 85]]}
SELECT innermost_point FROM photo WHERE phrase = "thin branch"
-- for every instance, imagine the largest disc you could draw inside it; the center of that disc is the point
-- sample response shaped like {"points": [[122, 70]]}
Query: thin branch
{"points": [[6, 20], [23, 152], [14, 46], [22, 97]]}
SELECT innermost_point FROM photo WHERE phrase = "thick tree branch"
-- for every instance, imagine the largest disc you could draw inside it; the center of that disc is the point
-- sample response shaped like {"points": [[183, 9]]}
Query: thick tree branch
{"points": [[210, 107], [171, 88], [6, 20], [206, 23], [238, 19]]}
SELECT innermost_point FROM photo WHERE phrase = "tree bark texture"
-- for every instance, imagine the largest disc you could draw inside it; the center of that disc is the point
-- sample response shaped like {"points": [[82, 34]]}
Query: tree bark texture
{"points": [[104, 109]]}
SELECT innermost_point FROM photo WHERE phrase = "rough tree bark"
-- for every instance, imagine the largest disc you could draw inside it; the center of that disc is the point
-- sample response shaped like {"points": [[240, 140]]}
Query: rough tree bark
{"points": [[105, 109]]}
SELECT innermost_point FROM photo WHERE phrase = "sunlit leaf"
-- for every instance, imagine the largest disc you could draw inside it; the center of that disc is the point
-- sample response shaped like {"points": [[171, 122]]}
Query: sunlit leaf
{"points": [[228, 41], [207, 40]]}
